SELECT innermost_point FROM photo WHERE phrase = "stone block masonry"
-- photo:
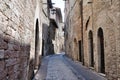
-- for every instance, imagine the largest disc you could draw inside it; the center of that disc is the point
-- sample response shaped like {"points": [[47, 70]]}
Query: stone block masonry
{"points": [[92, 35], [16, 27]]}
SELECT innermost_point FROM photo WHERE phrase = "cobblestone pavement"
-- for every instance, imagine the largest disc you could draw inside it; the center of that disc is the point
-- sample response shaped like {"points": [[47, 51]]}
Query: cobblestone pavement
{"points": [[59, 67], [42, 72], [58, 70]]}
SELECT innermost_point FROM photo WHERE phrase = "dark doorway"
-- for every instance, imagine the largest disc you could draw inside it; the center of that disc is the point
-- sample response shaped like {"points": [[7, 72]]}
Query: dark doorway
{"points": [[42, 47], [101, 50], [37, 44], [80, 52], [91, 53]]}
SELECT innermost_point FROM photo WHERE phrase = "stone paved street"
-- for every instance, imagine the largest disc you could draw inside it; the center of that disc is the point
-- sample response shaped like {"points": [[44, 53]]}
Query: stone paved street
{"points": [[58, 70], [59, 67]]}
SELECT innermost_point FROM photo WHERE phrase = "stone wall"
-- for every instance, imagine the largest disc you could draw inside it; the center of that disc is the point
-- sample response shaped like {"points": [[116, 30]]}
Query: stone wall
{"points": [[96, 15], [104, 15], [20, 23], [16, 26], [72, 28]]}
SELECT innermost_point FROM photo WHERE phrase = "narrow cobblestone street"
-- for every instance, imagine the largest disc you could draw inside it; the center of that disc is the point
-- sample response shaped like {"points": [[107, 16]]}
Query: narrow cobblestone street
{"points": [[59, 39], [60, 67]]}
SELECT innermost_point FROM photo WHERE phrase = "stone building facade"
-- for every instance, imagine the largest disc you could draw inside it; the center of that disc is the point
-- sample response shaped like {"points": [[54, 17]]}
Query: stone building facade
{"points": [[72, 30], [92, 35], [21, 23]]}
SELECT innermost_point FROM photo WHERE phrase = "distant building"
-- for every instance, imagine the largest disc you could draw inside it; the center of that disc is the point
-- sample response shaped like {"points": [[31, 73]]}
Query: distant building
{"points": [[53, 35], [59, 36]]}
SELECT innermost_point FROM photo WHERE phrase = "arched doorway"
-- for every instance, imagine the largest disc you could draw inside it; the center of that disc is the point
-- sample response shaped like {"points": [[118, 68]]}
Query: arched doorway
{"points": [[42, 47], [101, 51], [80, 51], [91, 53], [37, 44]]}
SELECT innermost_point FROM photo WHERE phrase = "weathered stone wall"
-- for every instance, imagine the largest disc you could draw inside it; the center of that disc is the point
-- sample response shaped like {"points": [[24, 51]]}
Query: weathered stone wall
{"points": [[17, 38], [21, 37], [105, 15], [96, 14], [72, 28]]}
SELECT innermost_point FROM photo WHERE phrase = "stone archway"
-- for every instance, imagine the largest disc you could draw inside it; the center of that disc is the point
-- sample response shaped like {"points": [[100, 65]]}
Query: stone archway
{"points": [[91, 52], [101, 56], [37, 46]]}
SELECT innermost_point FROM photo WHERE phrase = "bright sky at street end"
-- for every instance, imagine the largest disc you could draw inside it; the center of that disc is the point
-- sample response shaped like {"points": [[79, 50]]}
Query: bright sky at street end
{"points": [[60, 4]]}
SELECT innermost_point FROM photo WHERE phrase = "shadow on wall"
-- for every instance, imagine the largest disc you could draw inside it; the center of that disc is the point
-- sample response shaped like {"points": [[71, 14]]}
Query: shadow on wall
{"points": [[52, 29], [15, 62]]}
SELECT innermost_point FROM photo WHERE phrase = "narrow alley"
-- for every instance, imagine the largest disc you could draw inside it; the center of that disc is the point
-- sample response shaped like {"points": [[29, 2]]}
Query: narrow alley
{"points": [[59, 39], [60, 67]]}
